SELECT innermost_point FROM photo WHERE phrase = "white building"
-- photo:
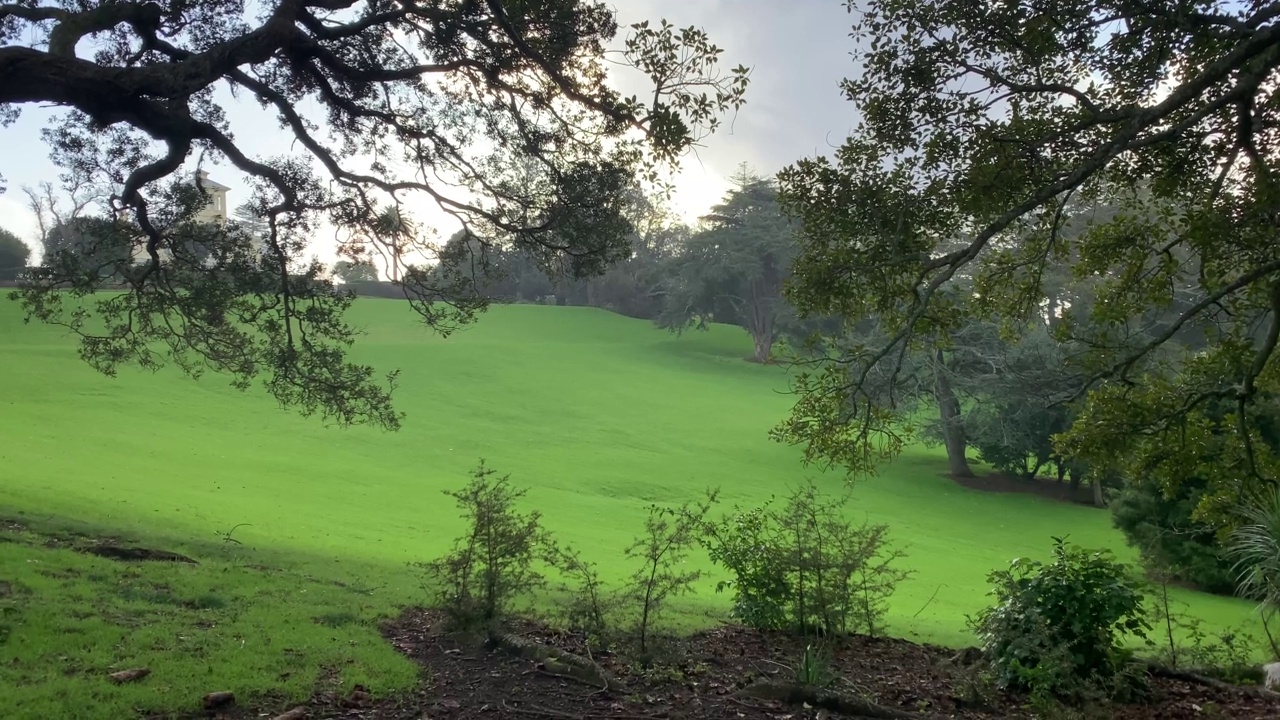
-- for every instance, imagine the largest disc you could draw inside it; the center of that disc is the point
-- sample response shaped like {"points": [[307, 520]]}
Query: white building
{"points": [[216, 210]]}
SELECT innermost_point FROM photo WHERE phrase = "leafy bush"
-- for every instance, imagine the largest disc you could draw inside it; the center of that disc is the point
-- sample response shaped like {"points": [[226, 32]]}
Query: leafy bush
{"points": [[1056, 628], [747, 543], [496, 560], [588, 603], [668, 536], [1170, 540], [1255, 548], [806, 566]]}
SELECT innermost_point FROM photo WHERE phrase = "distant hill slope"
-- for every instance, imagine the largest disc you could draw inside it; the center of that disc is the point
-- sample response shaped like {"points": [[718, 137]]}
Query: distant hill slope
{"points": [[597, 414]]}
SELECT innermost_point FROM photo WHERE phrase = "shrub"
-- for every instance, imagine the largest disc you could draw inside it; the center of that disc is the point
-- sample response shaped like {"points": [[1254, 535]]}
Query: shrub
{"points": [[747, 544], [587, 603], [1171, 541], [668, 536], [1056, 628], [806, 566], [496, 560]]}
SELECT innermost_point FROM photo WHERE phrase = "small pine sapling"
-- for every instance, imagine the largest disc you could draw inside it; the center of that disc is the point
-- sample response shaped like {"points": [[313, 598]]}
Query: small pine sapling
{"points": [[496, 560], [587, 606], [662, 549]]}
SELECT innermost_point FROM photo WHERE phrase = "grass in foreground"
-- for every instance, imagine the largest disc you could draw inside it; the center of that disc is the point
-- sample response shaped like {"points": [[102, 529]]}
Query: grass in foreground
{"points": [[596, 414], [223, 624]]}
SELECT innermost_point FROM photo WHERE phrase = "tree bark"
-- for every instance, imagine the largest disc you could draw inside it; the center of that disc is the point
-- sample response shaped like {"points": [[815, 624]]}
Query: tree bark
{"points": [[760, 321], [764, 348], [1033, 470], [1098, 500], [949, 412]]}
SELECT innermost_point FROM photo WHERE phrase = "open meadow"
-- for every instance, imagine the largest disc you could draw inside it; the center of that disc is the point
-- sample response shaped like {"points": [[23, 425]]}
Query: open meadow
{"points": [[304, 533]]}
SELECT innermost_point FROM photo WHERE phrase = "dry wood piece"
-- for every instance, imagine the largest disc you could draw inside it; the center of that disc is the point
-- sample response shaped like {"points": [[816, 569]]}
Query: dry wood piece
{"points": [[826, 700], [217, 700], [558, 662], [298, 713], [128, 676]]}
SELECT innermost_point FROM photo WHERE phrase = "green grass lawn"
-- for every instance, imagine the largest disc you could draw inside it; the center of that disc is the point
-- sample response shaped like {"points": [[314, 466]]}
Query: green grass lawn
{"points": [[596, 414]]}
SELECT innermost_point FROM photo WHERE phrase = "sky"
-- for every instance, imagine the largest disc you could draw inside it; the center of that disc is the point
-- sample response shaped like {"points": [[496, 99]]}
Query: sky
{"points": [[799, 51]]}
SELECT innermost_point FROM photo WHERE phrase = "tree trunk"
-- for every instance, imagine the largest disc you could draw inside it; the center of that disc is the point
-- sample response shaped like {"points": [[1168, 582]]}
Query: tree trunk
{"points": [[764, 348], [1062, 470], [1033, 469], [949, 412], [763, 292], [1098, 500]]}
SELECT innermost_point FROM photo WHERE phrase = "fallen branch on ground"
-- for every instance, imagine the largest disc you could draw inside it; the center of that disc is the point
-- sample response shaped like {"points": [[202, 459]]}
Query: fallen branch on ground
{"points": [[826, 700], [540, 712], [558, 662], [219, 700], [1198, 679], [126, 676]]}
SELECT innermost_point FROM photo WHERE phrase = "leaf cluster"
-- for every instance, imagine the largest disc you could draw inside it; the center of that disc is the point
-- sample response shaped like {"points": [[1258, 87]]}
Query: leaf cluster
{"points": [[1057, 627], [805, 566]]}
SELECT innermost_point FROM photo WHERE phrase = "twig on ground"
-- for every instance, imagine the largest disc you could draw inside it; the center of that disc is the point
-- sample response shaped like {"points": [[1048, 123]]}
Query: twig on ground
{"points": [[929, 601], [835, 702], [548, 672], [541, 712], [748, 706]]}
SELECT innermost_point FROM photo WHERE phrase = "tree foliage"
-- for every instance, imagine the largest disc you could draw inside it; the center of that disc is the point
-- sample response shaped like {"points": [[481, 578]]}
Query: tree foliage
{"points": [[13, 255], [733, 270], [89, 245], [805, 566], [985, 130], [493, 562], [633, 286], [1255, 547], [1057, 628], [355, 272], [499, 113], [1016, 419], [1172, 542], [660, 553]]}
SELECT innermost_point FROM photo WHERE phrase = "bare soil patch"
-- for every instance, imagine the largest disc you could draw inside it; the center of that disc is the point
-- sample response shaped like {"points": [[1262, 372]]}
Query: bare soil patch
{"points": [[135, 554], [1044, 487], [707, 676]]}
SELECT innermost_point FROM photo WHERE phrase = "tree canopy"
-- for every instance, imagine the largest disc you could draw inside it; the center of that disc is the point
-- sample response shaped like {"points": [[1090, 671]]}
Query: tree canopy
{"points": [[500, 113], [13, 255], [353, 272], [985, 130], [732, 271]]}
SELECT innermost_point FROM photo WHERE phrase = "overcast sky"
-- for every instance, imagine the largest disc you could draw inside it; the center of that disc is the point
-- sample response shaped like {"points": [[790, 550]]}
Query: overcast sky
{"points": [[798, 50]]}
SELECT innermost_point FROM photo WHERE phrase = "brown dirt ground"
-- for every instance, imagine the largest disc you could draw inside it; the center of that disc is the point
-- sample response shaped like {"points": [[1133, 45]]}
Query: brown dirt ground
{"points": [[700, 679], [1044, 487]]}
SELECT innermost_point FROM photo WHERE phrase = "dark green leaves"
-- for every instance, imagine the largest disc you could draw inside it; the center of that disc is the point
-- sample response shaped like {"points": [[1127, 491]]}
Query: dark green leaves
{"points": [[500, 114], [1126, 147]]}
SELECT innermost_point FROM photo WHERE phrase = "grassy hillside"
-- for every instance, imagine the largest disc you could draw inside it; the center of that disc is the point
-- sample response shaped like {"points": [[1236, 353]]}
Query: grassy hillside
{"points": [[598, 415]]}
